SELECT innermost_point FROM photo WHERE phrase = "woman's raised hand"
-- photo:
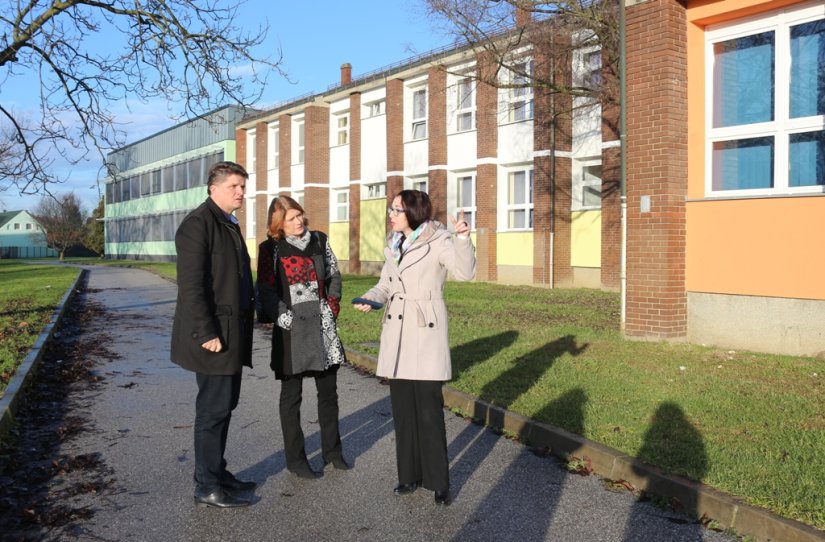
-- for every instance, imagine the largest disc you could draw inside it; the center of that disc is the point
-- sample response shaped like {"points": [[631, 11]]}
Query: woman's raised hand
{"points": [[461, 227]]}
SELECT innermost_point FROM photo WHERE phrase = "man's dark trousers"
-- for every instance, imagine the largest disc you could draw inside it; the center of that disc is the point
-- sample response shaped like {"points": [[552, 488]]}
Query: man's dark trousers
{"points": [[217, 398]]}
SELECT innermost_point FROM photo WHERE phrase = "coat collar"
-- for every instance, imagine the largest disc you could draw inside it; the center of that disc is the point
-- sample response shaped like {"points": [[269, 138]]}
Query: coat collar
{"points": [[433, 231]]}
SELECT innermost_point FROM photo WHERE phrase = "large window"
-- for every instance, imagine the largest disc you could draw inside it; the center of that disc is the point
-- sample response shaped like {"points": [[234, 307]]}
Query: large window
{"points": [[465, 105], [342, 129], [520, 200], [466, 198], [300, 146], [520, 92], [251, 151], [274, 146], [419, 114], [587, 184], [767, 104]]}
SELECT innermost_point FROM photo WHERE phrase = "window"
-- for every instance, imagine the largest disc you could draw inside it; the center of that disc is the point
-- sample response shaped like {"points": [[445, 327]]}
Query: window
{"points": [[251, 223], [465, 107], [168, 179], [341, 205], [587, 184], [28, 226], [520, 93], [376, 190], [520, 200], [343, 130], [156, 181], [466, 198], [419, 114], [299, 197], [376, 108], [275, 147], [417, 183], [145, 184], [766, 118], [301, 142], [252, 151], [16, 225]]}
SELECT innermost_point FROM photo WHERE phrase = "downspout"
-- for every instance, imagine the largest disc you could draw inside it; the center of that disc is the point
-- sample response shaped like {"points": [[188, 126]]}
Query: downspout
{"points": [[551, 276], [623, 161]]}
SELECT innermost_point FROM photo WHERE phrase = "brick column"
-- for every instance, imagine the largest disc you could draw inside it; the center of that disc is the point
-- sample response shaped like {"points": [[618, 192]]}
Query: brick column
{"points": [[656, 169], [261, 176], [552, 175], [355, 186], [316, 166], [611, 199], [395, 139], [285, 153], [437, 141], [486, 170], [240, 158]]}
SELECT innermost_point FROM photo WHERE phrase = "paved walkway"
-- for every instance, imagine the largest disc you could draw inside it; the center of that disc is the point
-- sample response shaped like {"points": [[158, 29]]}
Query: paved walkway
{"points": [[143, 414]]}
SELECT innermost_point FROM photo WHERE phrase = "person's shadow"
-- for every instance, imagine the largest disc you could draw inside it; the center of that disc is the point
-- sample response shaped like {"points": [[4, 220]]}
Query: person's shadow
{"points": [[675, 445]]}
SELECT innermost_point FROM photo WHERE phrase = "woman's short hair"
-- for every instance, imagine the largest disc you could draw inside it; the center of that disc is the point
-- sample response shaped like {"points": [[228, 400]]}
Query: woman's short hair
{"points": [[277, 215], [417, 207], [220, 171]]}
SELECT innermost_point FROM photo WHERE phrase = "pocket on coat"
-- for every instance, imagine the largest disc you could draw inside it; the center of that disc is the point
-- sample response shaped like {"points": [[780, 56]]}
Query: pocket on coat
{"points": [[430, 317]]}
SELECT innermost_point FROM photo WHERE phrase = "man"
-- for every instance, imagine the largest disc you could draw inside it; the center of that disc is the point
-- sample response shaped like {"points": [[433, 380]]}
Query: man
{"points": [[212, 331]]}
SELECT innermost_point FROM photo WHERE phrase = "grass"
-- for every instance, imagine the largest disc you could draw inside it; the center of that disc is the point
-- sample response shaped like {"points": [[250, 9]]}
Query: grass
{"points": [[749, 424], [29, 295]]}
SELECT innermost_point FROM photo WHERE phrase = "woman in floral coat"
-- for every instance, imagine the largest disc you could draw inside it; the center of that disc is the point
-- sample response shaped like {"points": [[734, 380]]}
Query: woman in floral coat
{"points": [[414, 352], [299, 285]]}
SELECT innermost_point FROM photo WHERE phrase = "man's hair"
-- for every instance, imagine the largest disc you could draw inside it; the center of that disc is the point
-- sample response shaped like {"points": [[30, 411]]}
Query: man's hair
{"points": [[417, 207], [277, 215], [221, 171]]}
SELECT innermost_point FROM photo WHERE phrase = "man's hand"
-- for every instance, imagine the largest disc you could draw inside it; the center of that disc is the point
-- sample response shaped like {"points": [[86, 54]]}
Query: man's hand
{"points": [[213, 346]]}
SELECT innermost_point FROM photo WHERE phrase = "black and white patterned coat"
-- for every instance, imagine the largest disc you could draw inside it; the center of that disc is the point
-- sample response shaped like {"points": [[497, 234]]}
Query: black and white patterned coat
{"points": [[298, 289]]}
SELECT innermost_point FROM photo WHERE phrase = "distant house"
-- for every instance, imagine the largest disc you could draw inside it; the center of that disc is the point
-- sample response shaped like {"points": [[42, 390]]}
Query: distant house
{"points": [[21, 236]]}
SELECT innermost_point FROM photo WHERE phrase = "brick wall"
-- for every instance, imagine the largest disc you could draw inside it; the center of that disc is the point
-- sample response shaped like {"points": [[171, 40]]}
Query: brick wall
{"points": [[486, 171], [240, 158], [437, 141], [656, 168], [316, 166], [395, 138], [354, 187]]}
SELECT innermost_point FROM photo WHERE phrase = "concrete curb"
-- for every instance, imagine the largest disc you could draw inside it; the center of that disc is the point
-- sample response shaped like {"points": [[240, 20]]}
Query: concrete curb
{"points": [[695, 498], [10, 401]]}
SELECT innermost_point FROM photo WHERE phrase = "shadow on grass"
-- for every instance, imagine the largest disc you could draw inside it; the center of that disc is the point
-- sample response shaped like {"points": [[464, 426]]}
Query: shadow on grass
{"points": [[480, 350], [672, 442]]}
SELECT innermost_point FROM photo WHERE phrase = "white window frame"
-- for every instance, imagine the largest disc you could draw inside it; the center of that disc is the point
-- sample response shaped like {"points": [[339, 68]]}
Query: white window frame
{"points": [[418, 127], [420, 182], [521, 98], [526, 206], [583, 183], [338, 206], [375, 109], [250, 218], [274, 146], [471, 209], [298, 195], [300, 140], [465, 105], [341, 129], [251, 151], [782, 126], [375, 190]]}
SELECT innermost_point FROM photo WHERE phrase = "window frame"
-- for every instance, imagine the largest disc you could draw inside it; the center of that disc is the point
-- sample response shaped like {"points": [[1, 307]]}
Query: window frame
{"points": [[526, 206], [418, 122], [523, 95], [782, 127], [342, 132], [337, 206], [471, 209], [463, 109], [251, 151]]}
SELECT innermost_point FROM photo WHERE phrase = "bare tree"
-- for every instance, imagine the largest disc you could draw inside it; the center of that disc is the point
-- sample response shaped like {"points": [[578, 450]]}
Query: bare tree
{"points": [[62, 219], [190, 52], [554, 29]]}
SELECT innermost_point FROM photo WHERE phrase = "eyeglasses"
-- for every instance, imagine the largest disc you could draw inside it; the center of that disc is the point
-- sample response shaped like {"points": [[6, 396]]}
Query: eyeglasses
{"points": [[392, 211]]}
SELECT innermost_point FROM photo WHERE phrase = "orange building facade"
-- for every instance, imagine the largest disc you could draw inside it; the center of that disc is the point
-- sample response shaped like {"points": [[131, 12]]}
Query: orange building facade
{"points": [[725, 155]]}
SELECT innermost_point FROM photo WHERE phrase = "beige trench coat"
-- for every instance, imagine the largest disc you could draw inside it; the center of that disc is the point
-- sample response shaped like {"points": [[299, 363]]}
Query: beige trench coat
{"points": [[414, 340]]}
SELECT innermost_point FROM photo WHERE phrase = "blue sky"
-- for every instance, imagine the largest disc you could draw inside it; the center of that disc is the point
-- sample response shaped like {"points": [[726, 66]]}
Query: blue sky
{"points": [[315, 38]]}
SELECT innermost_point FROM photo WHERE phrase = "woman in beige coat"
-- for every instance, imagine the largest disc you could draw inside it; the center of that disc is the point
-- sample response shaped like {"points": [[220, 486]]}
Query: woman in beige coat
{"points": [[414, 352]]}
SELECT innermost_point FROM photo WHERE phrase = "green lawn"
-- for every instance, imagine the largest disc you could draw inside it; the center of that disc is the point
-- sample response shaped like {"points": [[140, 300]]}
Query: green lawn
{"points": [[749, 424], [29, 295]]}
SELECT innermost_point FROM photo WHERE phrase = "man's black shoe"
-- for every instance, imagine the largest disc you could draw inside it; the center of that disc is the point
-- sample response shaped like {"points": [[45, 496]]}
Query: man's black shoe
{"points": [[442, 498], [405, 489], [233, 484], [340, 463], [220, 499]]}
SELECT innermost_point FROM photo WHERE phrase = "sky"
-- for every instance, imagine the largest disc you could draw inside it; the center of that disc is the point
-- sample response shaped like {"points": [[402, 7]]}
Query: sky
{"points": [[315, 39]]}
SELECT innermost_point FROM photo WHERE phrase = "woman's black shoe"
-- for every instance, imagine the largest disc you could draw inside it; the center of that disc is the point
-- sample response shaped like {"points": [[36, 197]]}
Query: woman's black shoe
{"points": [[220, 499], [405, 489], [442, 498], [340, 463]]}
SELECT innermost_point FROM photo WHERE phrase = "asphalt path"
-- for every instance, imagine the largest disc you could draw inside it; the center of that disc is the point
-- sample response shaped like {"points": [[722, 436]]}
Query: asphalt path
{"points": [[142, 414]]}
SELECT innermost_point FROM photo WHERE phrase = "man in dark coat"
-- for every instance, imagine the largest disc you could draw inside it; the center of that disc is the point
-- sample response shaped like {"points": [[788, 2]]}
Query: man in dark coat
{"points": [[212, 331]]}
